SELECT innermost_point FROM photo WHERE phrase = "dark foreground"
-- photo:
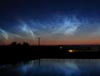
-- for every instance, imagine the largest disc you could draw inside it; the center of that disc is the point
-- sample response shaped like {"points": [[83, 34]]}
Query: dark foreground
{"points": [[25, 60], [17, 53]]}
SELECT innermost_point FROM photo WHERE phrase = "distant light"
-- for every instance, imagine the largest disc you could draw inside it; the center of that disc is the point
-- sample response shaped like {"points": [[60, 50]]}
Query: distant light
{"points": [[61, 47], [71, 51]]}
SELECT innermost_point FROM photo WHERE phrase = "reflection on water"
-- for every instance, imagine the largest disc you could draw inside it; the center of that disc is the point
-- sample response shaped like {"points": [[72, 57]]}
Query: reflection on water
{"points": [[54, 67]]}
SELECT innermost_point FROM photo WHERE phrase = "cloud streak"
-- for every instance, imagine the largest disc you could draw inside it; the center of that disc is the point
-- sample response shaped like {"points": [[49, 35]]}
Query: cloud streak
{"points": [[26, 31], [4, 34], [68, 27]]}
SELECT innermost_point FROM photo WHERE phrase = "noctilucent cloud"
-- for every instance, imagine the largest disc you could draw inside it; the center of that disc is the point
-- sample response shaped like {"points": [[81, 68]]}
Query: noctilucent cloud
{"points": [[54, 21]]}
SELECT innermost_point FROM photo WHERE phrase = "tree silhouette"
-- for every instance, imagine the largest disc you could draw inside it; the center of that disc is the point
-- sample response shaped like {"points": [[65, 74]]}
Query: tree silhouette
{"points": [[25, 44], [13, 44]]}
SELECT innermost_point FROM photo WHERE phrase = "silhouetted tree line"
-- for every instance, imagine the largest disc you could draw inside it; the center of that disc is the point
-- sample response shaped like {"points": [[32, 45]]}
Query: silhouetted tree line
{"points": [[19, 44], [17, 52]]}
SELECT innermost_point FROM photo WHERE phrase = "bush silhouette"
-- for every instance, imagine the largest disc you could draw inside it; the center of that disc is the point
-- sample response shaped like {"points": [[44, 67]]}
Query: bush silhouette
{"points": [[25, 44], [13, 44]]}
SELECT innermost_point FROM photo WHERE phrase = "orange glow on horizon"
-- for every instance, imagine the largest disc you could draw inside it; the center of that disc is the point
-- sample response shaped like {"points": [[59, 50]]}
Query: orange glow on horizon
{"points": [[56, 42]]}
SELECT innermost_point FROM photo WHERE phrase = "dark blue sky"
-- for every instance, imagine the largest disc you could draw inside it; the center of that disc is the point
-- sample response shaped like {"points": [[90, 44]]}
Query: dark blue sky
{"points": [[42, 9], [49, 18]]}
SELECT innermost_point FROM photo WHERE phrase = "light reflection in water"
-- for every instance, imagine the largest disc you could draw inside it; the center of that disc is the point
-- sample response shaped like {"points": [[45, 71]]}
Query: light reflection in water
{"points": [[53, 67]]}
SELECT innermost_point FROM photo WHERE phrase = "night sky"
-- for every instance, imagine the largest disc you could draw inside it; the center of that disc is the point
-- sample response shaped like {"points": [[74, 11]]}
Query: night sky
{"points": [[54, 21]]}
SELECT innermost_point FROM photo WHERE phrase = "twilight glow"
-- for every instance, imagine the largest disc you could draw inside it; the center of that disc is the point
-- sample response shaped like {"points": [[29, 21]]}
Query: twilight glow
{"points": [[56, 22]]}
